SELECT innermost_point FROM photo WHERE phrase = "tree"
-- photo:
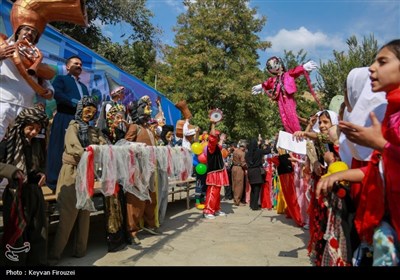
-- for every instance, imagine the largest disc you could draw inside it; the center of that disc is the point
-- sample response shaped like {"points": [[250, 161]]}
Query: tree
{"points": [[137, 54], [214, 64], [133, 13], [136, 58], [333, 74]]}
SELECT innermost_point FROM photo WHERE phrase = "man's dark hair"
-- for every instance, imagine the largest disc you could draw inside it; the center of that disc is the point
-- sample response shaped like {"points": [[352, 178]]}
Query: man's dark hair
{"points": [[72, 57]]}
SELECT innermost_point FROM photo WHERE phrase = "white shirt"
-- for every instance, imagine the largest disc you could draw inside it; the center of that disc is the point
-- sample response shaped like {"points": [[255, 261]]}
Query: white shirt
{"points": [[78, 85], [187, 132]]}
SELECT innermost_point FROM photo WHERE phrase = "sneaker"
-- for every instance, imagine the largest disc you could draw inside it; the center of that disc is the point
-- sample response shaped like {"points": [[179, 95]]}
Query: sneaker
{"points": [[200, 206], [220, 213], [209, 216], [153, 231]]}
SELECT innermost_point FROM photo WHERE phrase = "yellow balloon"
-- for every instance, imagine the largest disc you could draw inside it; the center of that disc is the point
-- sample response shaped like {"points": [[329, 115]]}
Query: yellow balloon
{"points": [[337, 166], [197, 148]]}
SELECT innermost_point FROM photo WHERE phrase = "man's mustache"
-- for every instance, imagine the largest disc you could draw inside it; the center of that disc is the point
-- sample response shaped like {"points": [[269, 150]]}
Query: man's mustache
{"points": [[76, 67]]}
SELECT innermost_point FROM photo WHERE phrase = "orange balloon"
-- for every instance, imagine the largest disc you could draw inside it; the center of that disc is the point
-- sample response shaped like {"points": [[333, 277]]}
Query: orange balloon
{"points": [[224, 152]]}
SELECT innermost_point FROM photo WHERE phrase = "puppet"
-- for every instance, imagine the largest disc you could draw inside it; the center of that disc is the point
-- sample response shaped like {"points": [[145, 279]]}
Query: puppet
{"points": [[281, 88]]}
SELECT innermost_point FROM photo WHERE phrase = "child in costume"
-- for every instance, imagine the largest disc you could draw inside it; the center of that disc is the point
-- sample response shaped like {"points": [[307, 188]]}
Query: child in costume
{"points": [[217, 176]]}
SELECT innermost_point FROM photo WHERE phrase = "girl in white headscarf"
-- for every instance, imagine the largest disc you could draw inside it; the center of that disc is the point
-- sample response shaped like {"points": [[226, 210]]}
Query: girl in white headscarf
{"points": [[360, 101]]}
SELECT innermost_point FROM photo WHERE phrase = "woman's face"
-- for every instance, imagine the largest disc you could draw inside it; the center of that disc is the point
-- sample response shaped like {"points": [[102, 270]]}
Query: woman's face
{"points": [[324, 124], [385, 71], [32, 130], [88, 113]]}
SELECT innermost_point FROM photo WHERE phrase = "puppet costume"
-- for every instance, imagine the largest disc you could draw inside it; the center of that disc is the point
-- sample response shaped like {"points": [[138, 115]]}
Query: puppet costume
{"points": [[78, 136], [281, 88]]}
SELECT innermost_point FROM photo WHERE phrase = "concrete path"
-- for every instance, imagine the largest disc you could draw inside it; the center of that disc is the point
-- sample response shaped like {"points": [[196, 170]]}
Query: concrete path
{"points": [[242, 238]]}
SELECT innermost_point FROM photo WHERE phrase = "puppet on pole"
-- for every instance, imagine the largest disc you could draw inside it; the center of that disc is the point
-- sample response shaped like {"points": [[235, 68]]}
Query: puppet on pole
{"points": [[281, 88]]}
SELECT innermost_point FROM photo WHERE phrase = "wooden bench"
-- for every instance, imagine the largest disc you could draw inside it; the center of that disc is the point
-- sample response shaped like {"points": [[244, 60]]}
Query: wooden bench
{"points": [[179, 186], [47, 193]]}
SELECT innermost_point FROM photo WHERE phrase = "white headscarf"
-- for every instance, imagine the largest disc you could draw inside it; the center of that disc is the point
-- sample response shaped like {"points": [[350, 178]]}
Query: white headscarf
{"points": [[333, 116], [363, 101]]}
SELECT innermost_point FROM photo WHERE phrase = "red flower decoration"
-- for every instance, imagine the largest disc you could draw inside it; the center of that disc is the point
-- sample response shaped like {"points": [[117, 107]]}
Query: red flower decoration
{"points": [[334, 243]]}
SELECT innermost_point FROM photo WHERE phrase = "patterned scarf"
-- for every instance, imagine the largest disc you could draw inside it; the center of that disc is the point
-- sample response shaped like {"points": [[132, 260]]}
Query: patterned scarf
{"points": [[16, 138], [15, 142], [83, 126]]}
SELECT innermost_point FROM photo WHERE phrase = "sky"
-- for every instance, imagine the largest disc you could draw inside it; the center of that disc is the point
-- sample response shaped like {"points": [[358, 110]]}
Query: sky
{"points": [[318, 27]]}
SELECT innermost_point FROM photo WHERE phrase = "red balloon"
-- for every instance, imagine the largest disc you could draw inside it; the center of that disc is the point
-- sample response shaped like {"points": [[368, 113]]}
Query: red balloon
{"points": [[202, 158]]}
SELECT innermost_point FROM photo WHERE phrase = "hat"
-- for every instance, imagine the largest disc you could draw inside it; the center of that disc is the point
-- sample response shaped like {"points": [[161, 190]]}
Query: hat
{"points": [[37, 13], [114, 87]]}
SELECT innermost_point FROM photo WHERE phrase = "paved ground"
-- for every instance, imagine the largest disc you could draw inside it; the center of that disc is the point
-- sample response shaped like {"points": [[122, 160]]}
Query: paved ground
{"points": [[242, 238]]}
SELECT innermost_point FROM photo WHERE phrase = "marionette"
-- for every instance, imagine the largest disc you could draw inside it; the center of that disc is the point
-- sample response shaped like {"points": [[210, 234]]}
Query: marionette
{"points": [[281, 88]]}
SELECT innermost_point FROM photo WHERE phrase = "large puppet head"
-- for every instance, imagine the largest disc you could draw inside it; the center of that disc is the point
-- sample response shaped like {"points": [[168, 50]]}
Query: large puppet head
{"points": [[140, 111], [86, 109], [115, 115], [167, 134], [275, 65], [37, 13]]}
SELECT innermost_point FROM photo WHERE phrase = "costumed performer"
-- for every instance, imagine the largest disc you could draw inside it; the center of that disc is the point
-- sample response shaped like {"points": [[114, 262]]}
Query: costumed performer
{"points": [[78, 136], [24, 241], [217, 176]]}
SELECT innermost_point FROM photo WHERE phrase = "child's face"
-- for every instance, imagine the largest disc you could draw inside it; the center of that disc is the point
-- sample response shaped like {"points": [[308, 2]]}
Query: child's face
{"points": [[385, 71], [324, 124], [32, 130]]}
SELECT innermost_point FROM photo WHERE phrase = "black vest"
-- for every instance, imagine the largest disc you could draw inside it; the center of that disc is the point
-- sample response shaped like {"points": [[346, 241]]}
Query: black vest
{"points": [[215, 160]]}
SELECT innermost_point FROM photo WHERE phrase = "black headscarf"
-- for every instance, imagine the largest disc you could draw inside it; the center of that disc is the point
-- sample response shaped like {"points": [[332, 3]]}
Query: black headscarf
{"points": [[254, 155]]}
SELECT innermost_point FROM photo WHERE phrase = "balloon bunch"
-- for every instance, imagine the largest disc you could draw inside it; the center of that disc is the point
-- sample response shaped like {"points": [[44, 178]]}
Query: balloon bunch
{"points": [[200, 157]]}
